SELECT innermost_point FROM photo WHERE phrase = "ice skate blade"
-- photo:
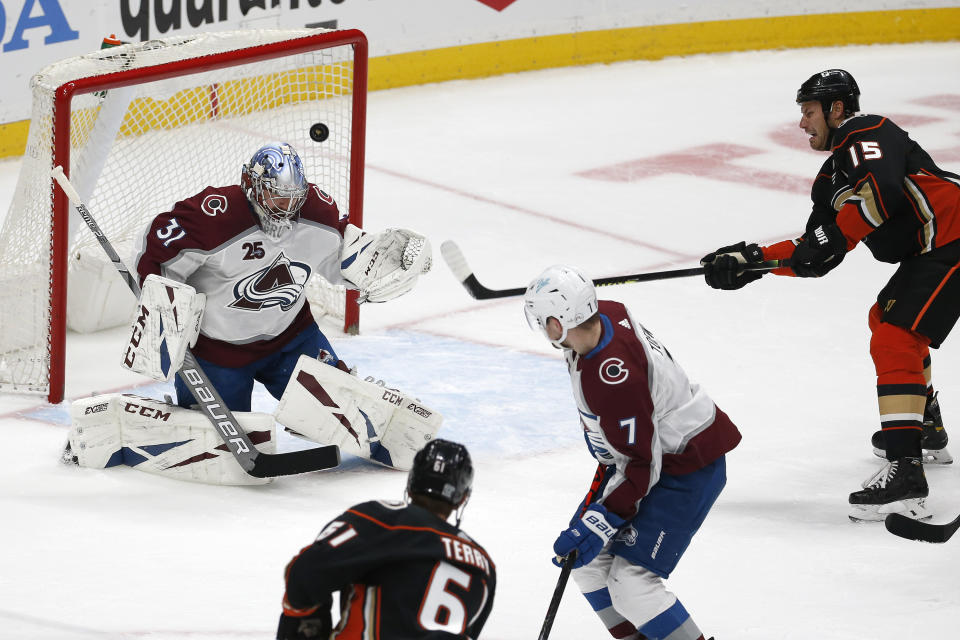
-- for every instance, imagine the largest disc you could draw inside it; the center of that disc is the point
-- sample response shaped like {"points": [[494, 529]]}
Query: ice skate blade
{"points": [[937, 456], [914, 508], [930, 456]]}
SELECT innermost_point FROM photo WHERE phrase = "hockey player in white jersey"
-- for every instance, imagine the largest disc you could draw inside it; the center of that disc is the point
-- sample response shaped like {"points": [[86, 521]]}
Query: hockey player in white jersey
{"points": [[663, 442], [224, 272], [249, 250]]}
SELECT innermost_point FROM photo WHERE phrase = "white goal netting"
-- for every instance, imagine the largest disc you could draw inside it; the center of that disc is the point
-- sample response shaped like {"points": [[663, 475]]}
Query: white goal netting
{"points": [[176, 115]]}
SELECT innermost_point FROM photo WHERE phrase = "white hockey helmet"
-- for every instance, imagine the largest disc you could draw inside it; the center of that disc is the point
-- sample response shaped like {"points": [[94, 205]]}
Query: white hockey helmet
{"points": [[563, 293], [276, 187]]}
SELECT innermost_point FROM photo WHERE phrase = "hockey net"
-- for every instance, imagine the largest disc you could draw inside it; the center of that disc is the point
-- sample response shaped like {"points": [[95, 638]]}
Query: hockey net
{"points": [[140, 126]]}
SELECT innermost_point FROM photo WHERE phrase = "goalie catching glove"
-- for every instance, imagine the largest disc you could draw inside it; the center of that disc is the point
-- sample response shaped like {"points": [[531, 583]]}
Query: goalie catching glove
{"points": [[166, 323], [385, 265]]}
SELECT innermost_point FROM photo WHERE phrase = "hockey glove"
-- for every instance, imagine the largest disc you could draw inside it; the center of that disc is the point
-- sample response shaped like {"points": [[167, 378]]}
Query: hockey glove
{"points": [[723, 269], [819, 251], [588, 536], [317, 625]]}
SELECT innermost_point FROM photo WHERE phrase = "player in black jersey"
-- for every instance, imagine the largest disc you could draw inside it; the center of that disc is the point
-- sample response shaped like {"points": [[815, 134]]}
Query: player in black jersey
{"points": [[880, 187], [403, 572]]}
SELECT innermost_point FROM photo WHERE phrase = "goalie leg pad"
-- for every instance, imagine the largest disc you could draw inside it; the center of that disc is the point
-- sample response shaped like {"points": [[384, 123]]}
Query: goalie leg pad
{"points": [[329, 406], [156, 437], [166, 322]]}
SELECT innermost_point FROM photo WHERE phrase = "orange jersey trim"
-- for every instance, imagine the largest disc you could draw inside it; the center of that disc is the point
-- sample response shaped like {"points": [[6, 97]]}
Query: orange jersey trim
{"points": [[852, 224], [289, 609], [780, 251], [876, 126], [401, 527], [376, 616], [354, 628], [933, 297], [293, 612]]}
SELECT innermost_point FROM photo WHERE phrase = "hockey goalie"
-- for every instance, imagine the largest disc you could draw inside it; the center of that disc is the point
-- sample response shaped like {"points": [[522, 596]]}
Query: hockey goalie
{"points": [[223, 275]]}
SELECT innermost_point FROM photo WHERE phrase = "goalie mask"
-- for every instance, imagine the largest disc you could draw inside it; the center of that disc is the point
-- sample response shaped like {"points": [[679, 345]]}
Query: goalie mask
{"points": [[563, 293], [441, 470], [276, 187]]}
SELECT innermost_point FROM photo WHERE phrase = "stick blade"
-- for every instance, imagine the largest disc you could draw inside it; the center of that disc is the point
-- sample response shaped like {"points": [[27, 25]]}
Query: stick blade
{"points": [[455, 260], [266, 465], [904, 527]]}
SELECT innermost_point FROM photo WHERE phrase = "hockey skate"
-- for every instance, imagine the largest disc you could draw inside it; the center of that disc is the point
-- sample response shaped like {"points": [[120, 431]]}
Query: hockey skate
{"points": [[898, 487], [933, 441]]}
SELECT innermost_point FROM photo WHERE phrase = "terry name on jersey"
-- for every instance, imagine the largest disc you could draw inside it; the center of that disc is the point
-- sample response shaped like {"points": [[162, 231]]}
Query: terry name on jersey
{"points": [[460, 551]]}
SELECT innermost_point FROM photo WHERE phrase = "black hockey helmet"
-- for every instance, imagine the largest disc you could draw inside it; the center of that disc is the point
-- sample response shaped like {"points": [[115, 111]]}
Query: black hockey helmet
{"points": [[441, 470], [828, 86]]}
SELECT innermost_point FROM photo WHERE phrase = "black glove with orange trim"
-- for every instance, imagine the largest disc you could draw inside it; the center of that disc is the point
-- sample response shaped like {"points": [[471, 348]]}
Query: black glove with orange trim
{"points": [[317, 626], [820, 250]]}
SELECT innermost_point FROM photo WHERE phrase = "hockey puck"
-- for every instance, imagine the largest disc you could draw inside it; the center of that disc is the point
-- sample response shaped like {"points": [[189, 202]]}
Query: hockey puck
{"points": [[319, 132]]}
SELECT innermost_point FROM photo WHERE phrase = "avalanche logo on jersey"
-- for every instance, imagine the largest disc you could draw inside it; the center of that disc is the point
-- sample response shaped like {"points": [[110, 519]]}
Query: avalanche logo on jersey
{"points": [[214, 204], [627, 535], [281, 284], [612, 371]]}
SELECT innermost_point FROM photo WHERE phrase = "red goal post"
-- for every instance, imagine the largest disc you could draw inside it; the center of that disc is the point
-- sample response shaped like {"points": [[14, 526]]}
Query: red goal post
{"points": [[141, 126]]}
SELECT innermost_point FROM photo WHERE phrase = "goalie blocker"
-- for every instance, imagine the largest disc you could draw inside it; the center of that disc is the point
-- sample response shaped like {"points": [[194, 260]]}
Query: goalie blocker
{"points": [[166, 322], [156, 437], [327, 405]]}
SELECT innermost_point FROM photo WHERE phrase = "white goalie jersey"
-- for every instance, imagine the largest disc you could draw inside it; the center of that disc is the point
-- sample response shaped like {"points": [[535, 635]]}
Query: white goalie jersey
{"points": [[254, 284]]}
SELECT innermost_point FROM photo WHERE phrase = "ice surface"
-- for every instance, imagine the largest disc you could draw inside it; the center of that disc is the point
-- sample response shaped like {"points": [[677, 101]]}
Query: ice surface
{"points": [[518, 170]]}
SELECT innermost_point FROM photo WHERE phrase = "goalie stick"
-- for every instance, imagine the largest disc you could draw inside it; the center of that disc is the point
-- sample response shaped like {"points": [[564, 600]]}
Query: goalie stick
{"points": [[900, 525], [254, 462], [462, 271]]}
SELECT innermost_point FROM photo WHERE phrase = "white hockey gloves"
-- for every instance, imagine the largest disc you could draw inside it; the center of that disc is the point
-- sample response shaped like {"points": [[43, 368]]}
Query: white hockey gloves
{"points": [[166, 323], [326, 405], [156, 437], [385, 265]]}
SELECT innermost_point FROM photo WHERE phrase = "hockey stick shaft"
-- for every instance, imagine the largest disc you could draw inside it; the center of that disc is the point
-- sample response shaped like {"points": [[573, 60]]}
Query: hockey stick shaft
{"points": [[557, 595], [254, 462], [900, 525], [458, 265], [569, 560]]}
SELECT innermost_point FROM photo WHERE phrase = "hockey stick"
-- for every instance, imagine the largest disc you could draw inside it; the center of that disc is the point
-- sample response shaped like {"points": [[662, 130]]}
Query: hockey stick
{"points": [[462, 271], [557, 595], [900, 525], [569, 560], [254, 462]]}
